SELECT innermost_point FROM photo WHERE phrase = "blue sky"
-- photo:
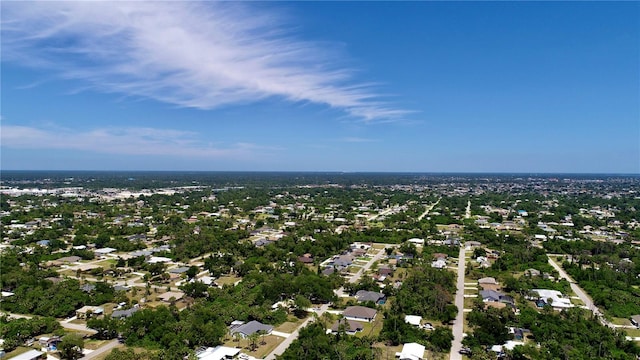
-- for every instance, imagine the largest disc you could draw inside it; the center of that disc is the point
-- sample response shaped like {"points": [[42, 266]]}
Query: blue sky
{"points": [[321, 86]]}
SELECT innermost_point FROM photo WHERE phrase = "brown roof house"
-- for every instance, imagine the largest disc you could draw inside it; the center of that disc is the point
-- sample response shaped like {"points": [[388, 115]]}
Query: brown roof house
{"points": [[359, 313], [489, 283]]}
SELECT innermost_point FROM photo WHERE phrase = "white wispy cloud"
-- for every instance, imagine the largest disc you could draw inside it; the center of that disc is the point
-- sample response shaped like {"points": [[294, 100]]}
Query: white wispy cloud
{"points": [[193, 54], [127, 141]]}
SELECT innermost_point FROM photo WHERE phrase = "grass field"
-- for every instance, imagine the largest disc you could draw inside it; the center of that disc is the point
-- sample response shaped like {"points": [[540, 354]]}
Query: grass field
{"points": [[227, 280], [263, 349], [291, 325]]}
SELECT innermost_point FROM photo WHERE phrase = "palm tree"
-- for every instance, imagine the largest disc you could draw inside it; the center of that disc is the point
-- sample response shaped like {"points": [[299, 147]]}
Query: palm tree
{"points": [[253, 340]]}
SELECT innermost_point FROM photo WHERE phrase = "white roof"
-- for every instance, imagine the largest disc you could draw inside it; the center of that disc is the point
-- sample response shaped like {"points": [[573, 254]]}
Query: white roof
{"points": [[509, 345], [411, 351], [158, 259], [105, 250], [557, 301], [29, 355], [416, 241], [218, 353], [413, 319]]}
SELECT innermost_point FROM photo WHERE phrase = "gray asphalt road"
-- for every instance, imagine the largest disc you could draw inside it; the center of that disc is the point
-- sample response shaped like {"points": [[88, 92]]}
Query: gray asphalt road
{"points": [[576, 289], [458, 324]]}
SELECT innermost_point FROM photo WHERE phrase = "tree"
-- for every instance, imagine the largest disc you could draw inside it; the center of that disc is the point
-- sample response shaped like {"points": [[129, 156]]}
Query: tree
{"points": [[253, 341], [70, 348], [301, 303], [192, 272], [106, 327]]}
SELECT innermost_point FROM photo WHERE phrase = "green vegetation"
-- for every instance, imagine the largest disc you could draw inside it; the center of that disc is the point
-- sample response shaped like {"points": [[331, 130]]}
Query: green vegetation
{"points": [[16, 331]]}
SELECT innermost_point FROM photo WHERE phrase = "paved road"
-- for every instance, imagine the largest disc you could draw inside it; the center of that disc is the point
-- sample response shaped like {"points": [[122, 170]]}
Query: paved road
{"points": [[280, 349], [467, 213], [458, 324], [355, 277], [586, 299], [382, 213], [429, 208], [101, 350]]}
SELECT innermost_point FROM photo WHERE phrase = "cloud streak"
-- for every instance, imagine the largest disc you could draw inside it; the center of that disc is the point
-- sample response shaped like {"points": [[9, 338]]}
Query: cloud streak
{"points": [[192, 54], [126, 141]]}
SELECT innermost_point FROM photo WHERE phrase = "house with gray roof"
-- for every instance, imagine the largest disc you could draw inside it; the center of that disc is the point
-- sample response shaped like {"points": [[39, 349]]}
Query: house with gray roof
{"points": [[343, 261], [123, 314], [351, 327], [364, 295], [251, 327]]}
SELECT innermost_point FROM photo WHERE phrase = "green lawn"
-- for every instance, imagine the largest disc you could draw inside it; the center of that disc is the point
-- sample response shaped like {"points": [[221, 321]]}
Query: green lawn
{"points": [[227, 280], [632, 332], [620, 321], [373, 328], [291, 324]]}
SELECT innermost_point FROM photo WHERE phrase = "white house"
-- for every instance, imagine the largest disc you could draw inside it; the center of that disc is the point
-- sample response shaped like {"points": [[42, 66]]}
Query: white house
{"points": [[411, 351], [414, 320]]}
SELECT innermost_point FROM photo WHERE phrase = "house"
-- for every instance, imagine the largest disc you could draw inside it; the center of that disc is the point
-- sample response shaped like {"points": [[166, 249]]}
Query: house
{"points": [[343, 261], [489, 283], [635, 320], [438, 256], [166, 297], [351, 327], [262, 242], [491, 295], [30, 355], [89, 311], [532, 272], [552, 297], [218, 353], [358, 252], [252, 327], [46, 341], [416, 241], [411, 351], [70, 259], [488, 280], [439, 264], [359, 313], [328, 271], [123, 314], [472, 244], [104, 251], [179, 270], [414, 320], [305, 259], [158, 259], [376, 297], [385, 271]]}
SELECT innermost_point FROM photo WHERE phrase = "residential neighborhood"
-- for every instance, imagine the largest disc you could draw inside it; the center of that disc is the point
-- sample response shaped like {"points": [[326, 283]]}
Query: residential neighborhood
{"points": [[389, 267]]}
